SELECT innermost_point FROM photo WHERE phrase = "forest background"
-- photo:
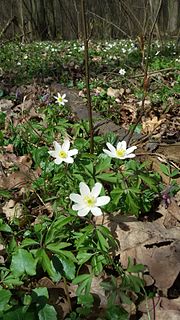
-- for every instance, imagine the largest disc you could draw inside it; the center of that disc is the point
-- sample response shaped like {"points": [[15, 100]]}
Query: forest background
{"points": [[61, 19]]}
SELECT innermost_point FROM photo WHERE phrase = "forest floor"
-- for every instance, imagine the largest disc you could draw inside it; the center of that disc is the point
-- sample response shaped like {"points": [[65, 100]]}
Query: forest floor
{"points": [[30, 120]]}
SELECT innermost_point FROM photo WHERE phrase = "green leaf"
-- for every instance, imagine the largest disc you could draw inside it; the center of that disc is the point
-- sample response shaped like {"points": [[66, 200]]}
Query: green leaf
{"points": [[18, 314], [124, 298], [149, 181], [5, 194], [47, 265], [174, 173], [56, 227], [23, 263], [5, 296], [103, 164], [132, 203], [81, 278], [116, 313], [48, 312], [41, 291], [84, 286], [11, 281], [86, 300], [83, 257], [56, 247], [69, 255], [68, 266], [109, 177], [4, 227], [116, 194], [61, 222], [134, 268], [28, 242], [102, 241], [97, 264], [89, 169], [165, 169]]}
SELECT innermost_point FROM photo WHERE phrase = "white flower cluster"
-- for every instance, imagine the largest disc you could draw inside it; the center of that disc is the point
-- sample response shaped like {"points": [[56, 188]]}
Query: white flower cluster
{"points": [[88, 200]]}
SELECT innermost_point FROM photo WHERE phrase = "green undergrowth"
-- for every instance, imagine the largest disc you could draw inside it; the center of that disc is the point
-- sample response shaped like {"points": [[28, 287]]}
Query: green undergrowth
{"points": [[43, 235]]}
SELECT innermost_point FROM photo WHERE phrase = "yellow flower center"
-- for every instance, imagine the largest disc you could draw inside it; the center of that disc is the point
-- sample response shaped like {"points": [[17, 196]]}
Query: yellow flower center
{"points": [[120, 152], [62, 154], [90, 201], [60, 99]]}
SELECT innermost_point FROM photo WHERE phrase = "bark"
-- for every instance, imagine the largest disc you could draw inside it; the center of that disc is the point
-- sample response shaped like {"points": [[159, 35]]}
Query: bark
{"points": [[50, 19]]}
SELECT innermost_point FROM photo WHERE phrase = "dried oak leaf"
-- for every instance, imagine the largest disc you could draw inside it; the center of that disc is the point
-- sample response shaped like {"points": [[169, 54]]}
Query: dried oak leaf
{"points": [[151, 244]]}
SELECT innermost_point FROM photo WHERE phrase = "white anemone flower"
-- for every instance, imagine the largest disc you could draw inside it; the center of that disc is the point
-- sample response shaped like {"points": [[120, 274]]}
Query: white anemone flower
{"points": [[62, 152], [122, 72], [121, 151], [60, 99], [89, 200]]}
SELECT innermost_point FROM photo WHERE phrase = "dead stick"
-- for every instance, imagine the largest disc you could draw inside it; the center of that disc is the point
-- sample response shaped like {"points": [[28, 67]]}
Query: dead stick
{"points": [[86, 58]]}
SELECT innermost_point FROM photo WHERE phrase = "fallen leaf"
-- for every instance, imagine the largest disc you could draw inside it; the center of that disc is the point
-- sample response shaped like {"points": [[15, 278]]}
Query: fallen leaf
{"points": [[149, 125], [12, 210], [151, 244]]}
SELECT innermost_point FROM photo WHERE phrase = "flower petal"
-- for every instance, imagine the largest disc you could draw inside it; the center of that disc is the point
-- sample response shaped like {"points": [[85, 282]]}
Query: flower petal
{"points": [[131, 149], [109, 153], [121, 145], [96, 189], [111, 147], [101, 201], [96, 211], [72, 152], [84, 189], [58, 161], [124, 145], [66, 145], [57, 146], [131, 155], [79, 206], [83, 212], [68, 160], [53, 153], [76, 197]]}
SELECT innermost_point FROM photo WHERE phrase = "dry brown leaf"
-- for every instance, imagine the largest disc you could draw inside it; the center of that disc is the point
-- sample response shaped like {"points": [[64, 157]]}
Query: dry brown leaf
{"points": [[113, 92], [12, 209], [6, 105], [149, 125], [19, 179], [151, 244], [163, 308]]}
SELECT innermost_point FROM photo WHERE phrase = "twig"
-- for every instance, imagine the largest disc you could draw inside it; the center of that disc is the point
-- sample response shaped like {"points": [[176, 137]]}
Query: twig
{"points": [[146, 78], [153, 72], [67, 293], [86, 58]]}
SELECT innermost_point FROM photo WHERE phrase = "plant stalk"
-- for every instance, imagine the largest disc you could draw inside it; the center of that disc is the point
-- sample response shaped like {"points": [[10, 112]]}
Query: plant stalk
{"points": [[86, 59]]}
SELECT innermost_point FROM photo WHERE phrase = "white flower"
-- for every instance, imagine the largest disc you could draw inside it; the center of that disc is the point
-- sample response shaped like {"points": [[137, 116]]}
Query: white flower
{"points": [[121, 151], [89, 200], [62, 152], [122, 72], [60, 99]]}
